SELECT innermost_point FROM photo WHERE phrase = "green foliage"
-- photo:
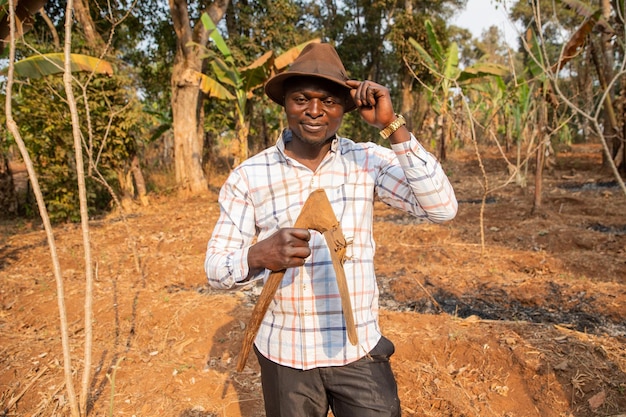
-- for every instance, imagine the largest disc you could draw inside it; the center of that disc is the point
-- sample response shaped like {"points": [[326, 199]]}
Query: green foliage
{"points": [[117, 130], [386, 41], [256, 27], [443, 64], [520, 108], [238, 84]]}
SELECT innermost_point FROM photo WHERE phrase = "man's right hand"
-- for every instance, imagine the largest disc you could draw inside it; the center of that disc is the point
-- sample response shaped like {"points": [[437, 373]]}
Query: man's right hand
{"points": [[287, 248]]}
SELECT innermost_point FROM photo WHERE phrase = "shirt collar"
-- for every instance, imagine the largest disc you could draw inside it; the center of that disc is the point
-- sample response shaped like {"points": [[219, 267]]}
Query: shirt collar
{"points": [[287, 136]]}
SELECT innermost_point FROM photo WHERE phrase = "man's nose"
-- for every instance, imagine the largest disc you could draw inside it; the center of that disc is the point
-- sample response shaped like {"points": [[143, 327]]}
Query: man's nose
{"points": [[315, 108]]}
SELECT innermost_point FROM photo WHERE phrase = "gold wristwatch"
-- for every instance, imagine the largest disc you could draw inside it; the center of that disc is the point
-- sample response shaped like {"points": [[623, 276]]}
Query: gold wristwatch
{"points": [[393, 126]]}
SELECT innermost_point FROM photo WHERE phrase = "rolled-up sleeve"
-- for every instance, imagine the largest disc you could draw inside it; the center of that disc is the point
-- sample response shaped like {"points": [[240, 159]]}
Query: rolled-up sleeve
{"points": [[421, 182], [226, 262]]}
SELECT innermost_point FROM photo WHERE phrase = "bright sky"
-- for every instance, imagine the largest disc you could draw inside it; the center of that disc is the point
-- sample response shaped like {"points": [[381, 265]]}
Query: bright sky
{"points": [[480, 14]]}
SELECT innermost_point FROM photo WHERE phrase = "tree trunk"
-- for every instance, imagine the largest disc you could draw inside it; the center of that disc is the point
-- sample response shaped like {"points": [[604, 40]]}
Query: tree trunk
{"points": [[541, 151], [611, 131], [407, 106], [126, 187], [242, 152], [8, 197], [83, 16], [445, 135], [619, 157], [187, 98], [408, 101], [140, 182], [132, 184], [187, 121]]}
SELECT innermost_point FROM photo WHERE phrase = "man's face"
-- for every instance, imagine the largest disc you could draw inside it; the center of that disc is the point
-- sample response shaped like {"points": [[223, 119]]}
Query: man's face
{"points": [[314, 108]]}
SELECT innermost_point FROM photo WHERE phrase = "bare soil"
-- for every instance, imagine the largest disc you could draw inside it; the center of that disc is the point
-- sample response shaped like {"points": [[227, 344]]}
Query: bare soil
{"points": [[520, 316]]}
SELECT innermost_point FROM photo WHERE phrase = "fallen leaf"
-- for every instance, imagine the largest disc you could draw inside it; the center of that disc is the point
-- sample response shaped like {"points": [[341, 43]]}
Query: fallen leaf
{"points": [[597, 400]]}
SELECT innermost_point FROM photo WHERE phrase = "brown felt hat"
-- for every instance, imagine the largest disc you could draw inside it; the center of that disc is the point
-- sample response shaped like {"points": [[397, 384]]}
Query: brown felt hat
{"points": [[317, 60]]}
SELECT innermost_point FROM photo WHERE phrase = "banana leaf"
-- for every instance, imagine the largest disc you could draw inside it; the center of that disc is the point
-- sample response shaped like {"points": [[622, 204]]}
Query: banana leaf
{"points": [[589, 12], [482, 70], [577, 41], [216, 36], [451, 64], [260, 70], [255, 74], [213, 88], [49, 64], [535, 62], [434, 42], [225, 73], [428, 60], [286, 58]]}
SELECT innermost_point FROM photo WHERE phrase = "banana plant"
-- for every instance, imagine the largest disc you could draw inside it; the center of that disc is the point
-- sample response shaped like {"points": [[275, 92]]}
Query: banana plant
{"points": [[443, 64], [238, 84]]}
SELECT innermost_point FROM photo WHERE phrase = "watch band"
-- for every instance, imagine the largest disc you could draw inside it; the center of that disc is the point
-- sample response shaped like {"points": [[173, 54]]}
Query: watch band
{"points": [[393, 126]]}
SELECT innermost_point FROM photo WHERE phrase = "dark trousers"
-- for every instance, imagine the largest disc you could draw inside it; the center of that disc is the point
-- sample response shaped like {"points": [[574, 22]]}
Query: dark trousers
{"points": [[365, 388]]}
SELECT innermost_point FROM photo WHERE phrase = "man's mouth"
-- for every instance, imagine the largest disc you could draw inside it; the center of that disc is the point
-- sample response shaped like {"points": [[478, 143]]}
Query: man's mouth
{"points": [[312, 128]]}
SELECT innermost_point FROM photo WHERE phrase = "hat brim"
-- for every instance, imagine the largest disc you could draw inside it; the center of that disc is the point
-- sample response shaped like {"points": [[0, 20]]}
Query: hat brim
{"points": [[274, 88]]}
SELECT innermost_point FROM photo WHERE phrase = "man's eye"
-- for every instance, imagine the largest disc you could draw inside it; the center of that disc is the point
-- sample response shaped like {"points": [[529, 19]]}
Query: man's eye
{"points": [[330, 102], [300, 100]]}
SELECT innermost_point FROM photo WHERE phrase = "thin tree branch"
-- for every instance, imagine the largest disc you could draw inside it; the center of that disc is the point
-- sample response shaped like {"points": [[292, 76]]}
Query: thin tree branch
{"points": [[43, 212], [84, 212]]}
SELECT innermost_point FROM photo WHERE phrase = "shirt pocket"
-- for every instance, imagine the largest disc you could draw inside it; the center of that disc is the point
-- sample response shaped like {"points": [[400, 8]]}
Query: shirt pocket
{"points": [[352, 200]]}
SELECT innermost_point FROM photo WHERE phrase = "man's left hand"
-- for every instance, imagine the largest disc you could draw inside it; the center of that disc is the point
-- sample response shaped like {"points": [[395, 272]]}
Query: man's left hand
{"points": [[373, 102]]}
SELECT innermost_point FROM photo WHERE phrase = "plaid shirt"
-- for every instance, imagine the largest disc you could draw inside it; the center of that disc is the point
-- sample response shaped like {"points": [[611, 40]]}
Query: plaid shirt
{"points": [[304, 326]]}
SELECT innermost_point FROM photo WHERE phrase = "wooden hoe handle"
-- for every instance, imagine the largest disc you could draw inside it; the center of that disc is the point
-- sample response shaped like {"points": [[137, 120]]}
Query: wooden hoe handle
{"points": [[317, 214]]}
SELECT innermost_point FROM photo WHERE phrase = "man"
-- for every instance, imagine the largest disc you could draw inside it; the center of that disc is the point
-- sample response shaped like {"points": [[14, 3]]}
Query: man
{"points": [[307, 363]]}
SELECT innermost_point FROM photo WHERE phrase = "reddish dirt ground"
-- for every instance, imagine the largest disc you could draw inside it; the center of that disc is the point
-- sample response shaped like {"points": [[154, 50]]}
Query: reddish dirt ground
{"points": [[525, 319]]}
